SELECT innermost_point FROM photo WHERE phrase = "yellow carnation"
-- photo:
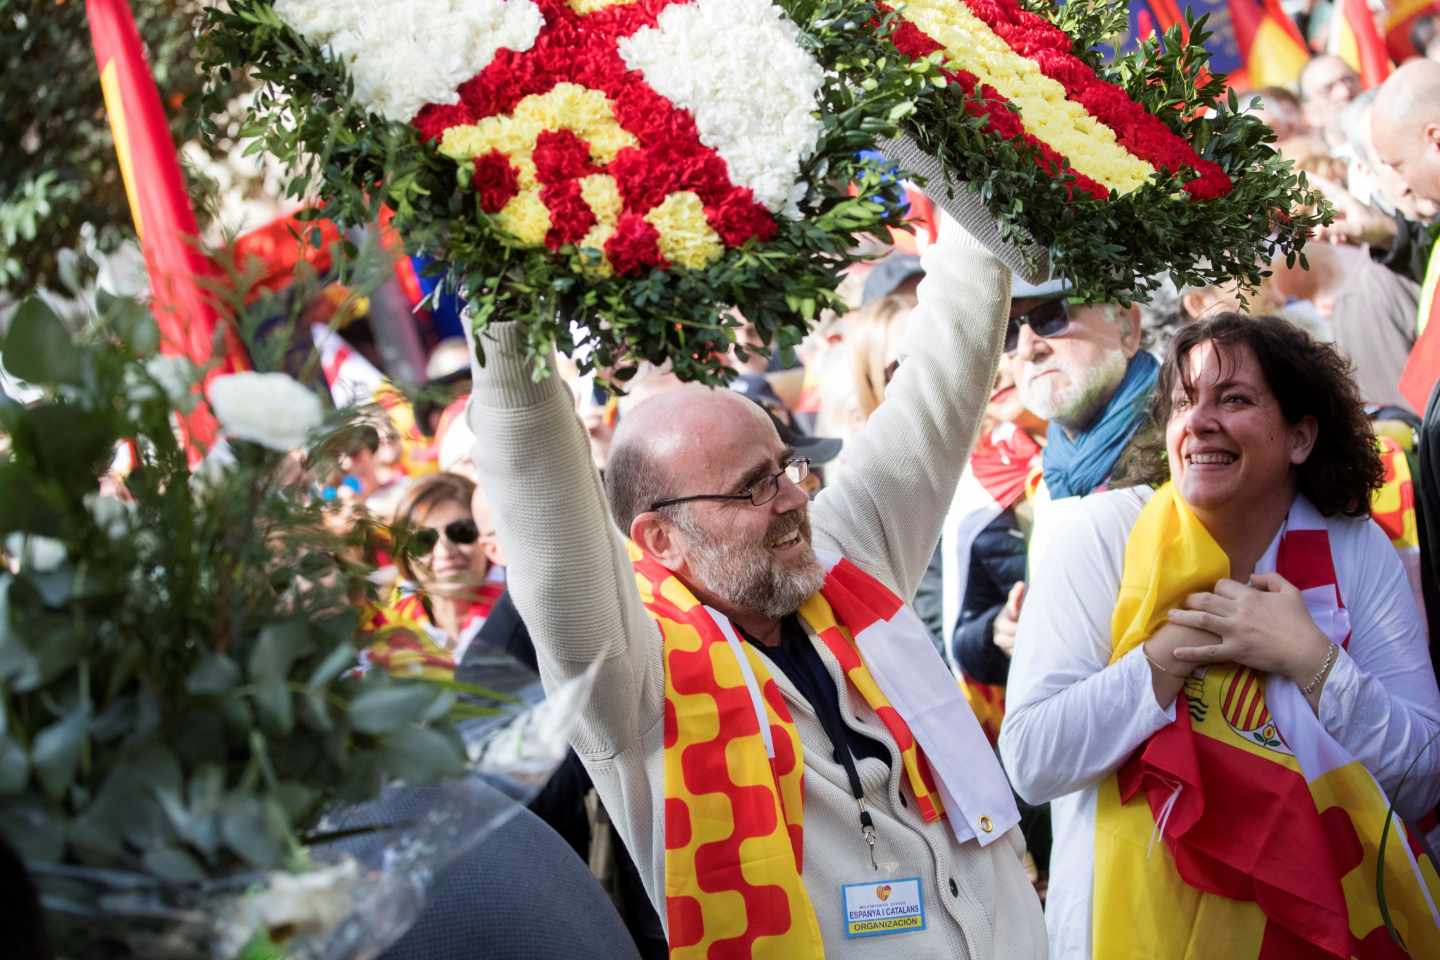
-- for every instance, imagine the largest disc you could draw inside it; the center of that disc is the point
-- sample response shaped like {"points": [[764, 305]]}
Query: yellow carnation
{"points": [[686, 237]]}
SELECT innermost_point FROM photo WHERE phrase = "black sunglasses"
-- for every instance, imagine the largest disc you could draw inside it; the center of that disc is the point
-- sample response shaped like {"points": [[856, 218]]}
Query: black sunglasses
{"points": [[1049, 319], [461, 532]]}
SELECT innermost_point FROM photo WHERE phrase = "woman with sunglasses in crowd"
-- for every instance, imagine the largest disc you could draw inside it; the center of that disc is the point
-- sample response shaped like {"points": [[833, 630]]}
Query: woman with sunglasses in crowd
{"points": [[451, 580], [1222, 680]]}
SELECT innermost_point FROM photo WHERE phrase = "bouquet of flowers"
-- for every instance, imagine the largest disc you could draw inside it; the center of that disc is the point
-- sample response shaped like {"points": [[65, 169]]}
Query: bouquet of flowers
{"points": [[644, 166], [179, 704]]}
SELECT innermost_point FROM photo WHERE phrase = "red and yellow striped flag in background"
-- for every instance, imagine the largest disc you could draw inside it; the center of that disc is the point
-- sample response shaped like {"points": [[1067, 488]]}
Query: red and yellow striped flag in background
{"points": [[1400, 18], [1356, 39], [1271, 46], [179, 271]]}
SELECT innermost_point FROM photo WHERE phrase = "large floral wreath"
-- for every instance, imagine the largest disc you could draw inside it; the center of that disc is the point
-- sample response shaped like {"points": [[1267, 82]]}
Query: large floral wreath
{"points": [[645, 165]]}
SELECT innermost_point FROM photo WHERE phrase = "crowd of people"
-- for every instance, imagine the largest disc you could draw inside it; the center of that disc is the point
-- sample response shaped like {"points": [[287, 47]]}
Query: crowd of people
{"points": [[994, 624]]}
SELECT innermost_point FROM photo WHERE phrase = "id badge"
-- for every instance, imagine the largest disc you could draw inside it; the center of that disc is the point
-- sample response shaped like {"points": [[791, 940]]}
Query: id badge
{"points": [[880, 908]]}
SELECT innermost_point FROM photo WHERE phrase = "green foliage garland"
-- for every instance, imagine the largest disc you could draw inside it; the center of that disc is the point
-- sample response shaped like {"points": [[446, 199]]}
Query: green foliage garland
{"points": [[357, 162]]}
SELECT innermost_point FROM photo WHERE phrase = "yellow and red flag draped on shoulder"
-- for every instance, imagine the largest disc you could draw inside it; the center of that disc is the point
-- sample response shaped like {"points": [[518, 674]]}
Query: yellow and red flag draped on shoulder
{"points": [[1270, 830], [179, 271]]}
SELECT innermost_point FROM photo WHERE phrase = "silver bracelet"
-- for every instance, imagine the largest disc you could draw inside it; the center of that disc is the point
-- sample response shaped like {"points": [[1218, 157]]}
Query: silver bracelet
{"points": [[1330, 656]]}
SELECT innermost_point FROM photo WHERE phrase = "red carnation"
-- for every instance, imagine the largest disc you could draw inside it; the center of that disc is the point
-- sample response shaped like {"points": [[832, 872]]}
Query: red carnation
{"points": [[495, 180], [560, 155], [738, 218], [435, 118], [634, 246], [570, 216]]}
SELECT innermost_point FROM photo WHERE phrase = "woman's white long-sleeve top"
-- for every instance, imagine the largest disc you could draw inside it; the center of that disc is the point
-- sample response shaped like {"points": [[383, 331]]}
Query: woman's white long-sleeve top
{"points": [[1072, 718]]}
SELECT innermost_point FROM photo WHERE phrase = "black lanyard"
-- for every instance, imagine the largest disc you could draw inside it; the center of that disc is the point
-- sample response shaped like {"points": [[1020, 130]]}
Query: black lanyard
{"points": [[810, 677]]}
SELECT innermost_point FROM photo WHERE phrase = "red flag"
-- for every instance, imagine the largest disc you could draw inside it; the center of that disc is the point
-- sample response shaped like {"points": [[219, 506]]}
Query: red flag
{"points": [[1400, 19], [1271, 46], [179, 272], [1356, 40], [1422, 369]]}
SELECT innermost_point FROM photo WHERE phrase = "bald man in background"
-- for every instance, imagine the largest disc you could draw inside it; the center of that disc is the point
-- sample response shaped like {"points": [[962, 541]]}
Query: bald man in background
{"points": [[708, 496], [1405, 125]]}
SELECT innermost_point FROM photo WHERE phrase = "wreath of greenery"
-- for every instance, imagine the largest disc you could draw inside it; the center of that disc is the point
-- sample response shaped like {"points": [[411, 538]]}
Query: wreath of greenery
{"points": [[1118, 250], [356, 162], [1112, 250]]}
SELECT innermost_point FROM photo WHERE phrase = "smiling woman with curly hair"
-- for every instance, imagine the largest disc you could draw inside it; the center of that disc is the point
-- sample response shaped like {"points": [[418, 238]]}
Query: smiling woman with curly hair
{"points": [[1307, 379], [1228, 657]]}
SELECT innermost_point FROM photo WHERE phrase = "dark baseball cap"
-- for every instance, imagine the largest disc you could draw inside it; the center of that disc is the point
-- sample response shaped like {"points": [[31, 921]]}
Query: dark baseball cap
{"points": [[818, 450]]}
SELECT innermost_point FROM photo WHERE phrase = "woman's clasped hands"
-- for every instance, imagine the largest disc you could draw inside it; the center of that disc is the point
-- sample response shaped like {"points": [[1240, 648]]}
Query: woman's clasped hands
{"points": [[1263, 625]]}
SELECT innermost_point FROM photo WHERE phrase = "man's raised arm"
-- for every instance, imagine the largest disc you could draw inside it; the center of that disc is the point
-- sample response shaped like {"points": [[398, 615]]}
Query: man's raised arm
{"points": [[568, 571], [900, 471]]}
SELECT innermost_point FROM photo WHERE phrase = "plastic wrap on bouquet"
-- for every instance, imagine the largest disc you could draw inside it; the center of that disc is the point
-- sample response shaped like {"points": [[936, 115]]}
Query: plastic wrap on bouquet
{"points": [[364, 875]]}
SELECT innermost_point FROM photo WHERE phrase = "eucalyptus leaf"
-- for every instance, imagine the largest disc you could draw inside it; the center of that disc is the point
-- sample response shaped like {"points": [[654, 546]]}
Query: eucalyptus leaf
{"points": [[277, 647], [215, 674], [173, 864], [135, 326], [336, 662], [57, 749], [31, 831], [273, 706], [63, 646], [70, 444], [382, 709], [38, 348], [245, 828], [23, 500], [297, 799], [14, 767], [421, 755]]}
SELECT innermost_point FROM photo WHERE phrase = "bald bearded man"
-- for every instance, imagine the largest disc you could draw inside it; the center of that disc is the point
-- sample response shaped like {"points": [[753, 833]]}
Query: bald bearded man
{"points": [[771, 729]]}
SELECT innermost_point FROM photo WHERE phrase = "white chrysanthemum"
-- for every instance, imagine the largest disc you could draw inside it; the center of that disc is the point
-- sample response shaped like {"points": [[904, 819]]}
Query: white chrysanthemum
{"points": [[270, 409], [738, 68], [404, 54]]}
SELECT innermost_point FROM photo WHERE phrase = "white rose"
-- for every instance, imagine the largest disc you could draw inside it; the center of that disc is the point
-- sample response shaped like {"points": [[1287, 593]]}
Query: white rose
{"points": [[270, 409]]}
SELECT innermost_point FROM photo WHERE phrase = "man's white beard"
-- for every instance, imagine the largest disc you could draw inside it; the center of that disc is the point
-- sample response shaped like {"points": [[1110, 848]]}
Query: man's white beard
{"points": [[1075, 405], [749, 576]]}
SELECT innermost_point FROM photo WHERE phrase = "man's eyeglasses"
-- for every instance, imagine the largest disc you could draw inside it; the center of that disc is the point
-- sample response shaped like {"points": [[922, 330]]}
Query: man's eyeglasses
{"points": [[459, 532], [760, 492], [1049, 319]]}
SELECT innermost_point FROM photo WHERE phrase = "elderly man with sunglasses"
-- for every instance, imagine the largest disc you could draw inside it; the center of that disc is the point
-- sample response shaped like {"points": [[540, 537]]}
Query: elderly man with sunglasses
{"points": [[1081, 367], [781, 748]]}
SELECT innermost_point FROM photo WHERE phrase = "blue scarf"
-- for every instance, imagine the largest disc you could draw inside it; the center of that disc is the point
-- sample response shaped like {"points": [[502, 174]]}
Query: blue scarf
{"points": [[1078, 466]]}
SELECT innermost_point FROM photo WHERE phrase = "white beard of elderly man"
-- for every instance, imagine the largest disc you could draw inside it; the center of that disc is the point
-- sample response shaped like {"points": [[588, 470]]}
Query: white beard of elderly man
{"points": [[789, 761]]}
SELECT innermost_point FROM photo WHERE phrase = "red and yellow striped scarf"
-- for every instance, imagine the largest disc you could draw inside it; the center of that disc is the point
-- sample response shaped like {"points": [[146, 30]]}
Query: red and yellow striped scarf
{"points": [[734, 787], [406, 643], [1270, 831]]}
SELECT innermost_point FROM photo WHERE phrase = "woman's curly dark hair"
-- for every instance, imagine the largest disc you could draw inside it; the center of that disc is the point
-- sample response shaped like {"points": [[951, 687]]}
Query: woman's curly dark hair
{"points": [[1308, 378]]}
